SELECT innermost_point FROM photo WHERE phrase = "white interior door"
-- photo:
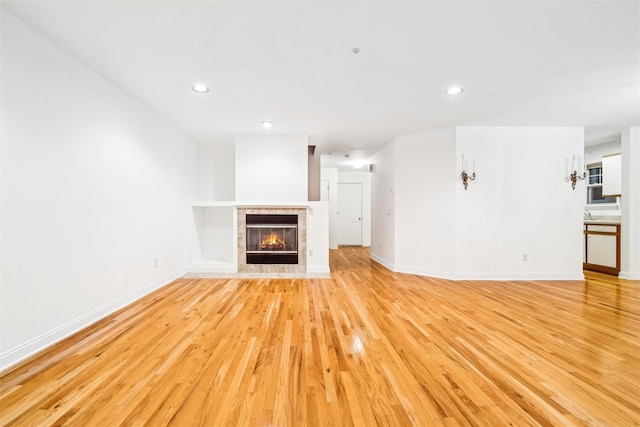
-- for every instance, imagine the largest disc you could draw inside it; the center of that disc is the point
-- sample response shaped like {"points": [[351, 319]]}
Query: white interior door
{"points": [[349, 214]]}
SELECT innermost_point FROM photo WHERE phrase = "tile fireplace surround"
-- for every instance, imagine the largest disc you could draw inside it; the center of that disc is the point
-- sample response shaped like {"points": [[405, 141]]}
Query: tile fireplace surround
{"points": [[301, 267]]}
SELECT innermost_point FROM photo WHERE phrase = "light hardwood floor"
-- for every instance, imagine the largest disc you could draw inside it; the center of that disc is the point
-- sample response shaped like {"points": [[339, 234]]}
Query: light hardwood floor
{"points": [[367, 347]]}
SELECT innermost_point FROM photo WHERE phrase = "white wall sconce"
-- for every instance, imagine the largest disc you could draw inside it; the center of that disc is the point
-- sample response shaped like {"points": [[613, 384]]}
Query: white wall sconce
{"points": [[465, 176], [571, 175]]}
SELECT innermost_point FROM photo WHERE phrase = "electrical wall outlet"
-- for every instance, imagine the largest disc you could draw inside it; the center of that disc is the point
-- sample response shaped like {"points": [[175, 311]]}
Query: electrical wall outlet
{"points": [[525, 257]]}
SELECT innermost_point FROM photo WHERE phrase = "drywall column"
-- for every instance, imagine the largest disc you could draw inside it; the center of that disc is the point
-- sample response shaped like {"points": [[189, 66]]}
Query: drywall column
{"points": [[630, 204]]}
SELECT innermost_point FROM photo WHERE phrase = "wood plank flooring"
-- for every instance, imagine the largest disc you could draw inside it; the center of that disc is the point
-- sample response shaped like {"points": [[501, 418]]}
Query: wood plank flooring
{"points": [[366, 347]]}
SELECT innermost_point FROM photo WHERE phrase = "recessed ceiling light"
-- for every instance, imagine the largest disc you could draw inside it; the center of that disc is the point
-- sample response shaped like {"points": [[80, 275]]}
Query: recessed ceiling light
{"points": [[200, 88], [454, 91], [267, 124]]}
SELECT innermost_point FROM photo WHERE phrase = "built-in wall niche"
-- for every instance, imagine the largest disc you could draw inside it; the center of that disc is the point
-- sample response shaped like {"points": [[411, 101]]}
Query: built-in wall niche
{"points": [[214, 232]]}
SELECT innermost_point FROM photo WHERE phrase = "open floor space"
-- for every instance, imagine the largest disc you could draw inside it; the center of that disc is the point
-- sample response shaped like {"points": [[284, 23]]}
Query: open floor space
{"points": [[366, 347]]}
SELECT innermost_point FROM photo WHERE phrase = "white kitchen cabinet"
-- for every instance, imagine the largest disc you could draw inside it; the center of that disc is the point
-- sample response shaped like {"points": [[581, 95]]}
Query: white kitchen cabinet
{"points": [[612, 175], [602, 247], [601, 250]]}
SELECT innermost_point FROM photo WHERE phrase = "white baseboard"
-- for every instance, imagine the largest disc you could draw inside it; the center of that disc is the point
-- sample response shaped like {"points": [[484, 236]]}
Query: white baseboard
{"points": [[213, 268], [447, 275], [382, 261], [629, 275], [428, 273], [17, 354], [318, 269], [506, 277]]}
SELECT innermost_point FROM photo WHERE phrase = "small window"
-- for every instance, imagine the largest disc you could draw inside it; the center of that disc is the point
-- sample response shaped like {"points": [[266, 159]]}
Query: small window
{"points": [[595, 175], [594, 186]]}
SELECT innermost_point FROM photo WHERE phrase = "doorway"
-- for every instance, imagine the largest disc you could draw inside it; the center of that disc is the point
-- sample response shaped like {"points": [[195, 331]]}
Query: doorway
{"points": [[349, 214]]}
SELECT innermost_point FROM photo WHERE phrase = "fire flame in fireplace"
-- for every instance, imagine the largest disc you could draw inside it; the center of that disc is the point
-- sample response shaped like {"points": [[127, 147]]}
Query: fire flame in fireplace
{"points": [[273, 242]]}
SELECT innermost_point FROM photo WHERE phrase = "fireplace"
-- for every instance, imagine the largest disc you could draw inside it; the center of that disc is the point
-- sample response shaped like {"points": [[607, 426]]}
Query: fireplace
{"points": [[272, 239]]}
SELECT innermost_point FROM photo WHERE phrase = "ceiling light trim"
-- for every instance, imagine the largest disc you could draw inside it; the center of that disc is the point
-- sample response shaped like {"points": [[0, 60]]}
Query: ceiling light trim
{"points": [[200, 88], [453, 91]]}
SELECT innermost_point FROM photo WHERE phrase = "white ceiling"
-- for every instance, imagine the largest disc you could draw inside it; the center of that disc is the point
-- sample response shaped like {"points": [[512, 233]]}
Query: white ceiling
{"points": [[521, 63]]}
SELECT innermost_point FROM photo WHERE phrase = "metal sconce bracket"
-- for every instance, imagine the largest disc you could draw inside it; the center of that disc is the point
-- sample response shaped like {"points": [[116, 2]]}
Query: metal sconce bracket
{"points": [[574, 177], [466, 178]]}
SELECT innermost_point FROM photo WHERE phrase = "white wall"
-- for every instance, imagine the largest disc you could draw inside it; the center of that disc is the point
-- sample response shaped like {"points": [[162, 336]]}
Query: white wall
{"points": [[519, 204], [94, 187], [318, 237], [630, 204], [331, 176], [217, 172], [271, 169], [425, 189], [383, 206], [363, 178]]}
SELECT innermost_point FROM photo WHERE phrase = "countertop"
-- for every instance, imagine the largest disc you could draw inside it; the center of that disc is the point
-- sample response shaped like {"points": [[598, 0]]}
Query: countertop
{"points": [[601, 221]]}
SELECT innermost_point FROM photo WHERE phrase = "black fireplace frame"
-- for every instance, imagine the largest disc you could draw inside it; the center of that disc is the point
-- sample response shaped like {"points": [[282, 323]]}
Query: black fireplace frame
{"points": [[272, 221]]}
